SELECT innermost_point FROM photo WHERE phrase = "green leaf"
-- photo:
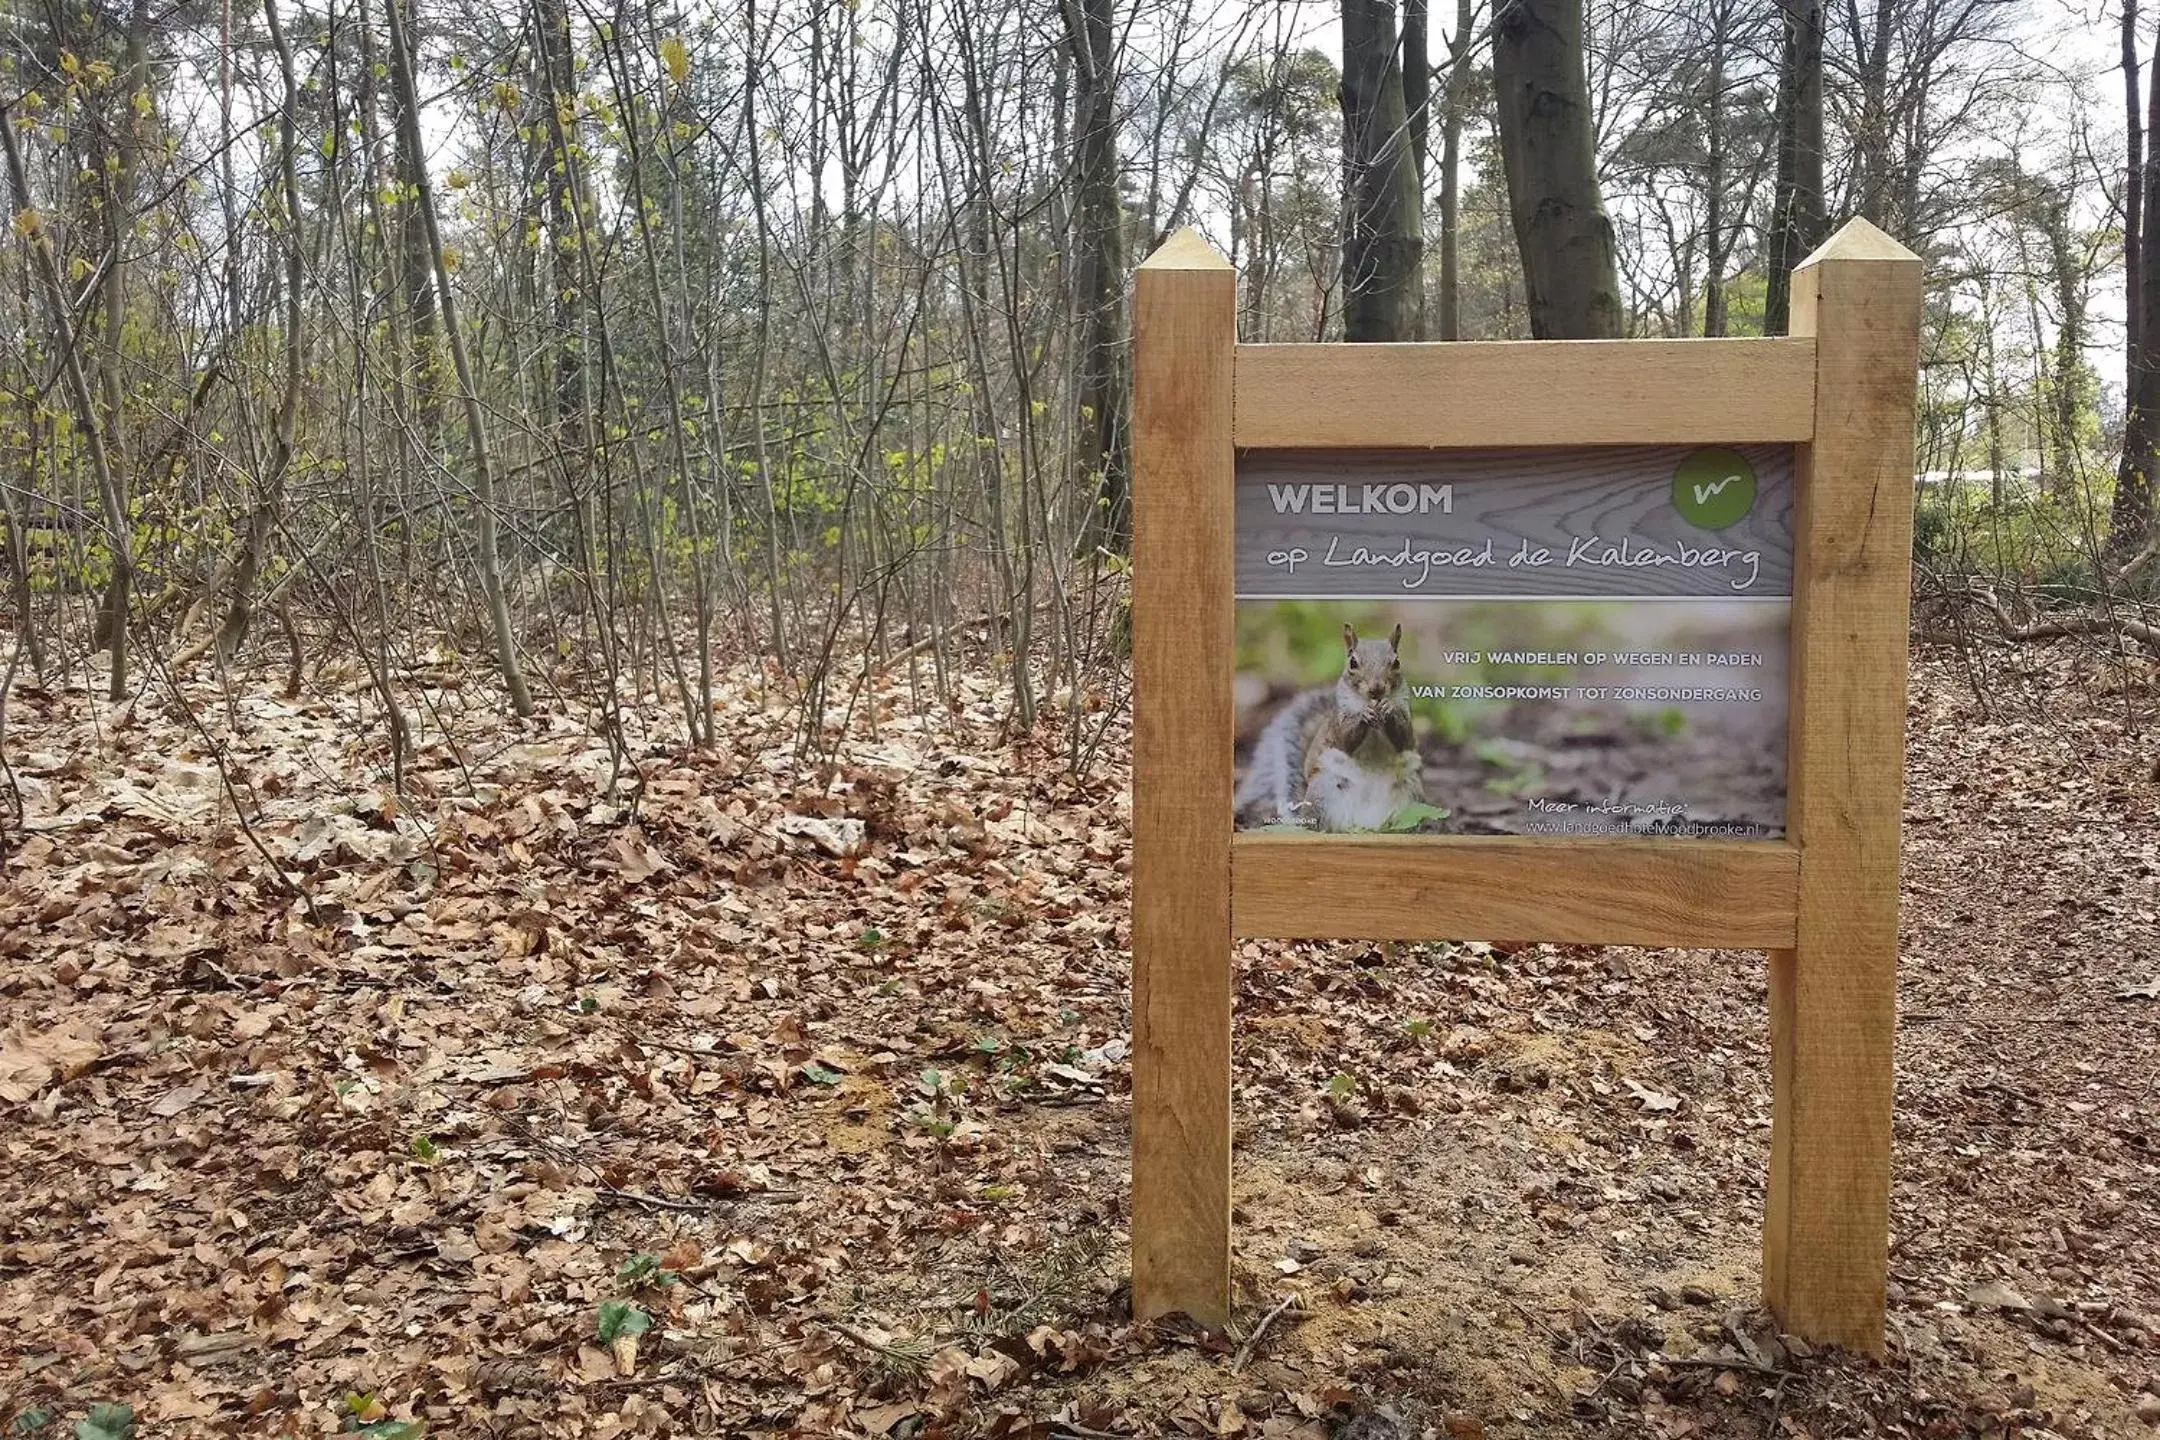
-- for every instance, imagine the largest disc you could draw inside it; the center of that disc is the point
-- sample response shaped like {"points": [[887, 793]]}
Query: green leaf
{"points": [[1341, 1086], [107, 1422], [31, 1421], [819, 1075], [395, 1429], [621, 1317], [1413, 815]]}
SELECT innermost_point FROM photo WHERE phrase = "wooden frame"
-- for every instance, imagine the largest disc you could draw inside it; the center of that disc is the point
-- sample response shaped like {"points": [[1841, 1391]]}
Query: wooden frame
{"points": [[1737, 894], [1583, 392], [1823, 902]]}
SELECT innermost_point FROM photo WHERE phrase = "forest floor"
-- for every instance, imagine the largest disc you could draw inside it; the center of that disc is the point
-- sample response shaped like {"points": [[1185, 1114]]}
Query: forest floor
{"points": [[416, 1155]]}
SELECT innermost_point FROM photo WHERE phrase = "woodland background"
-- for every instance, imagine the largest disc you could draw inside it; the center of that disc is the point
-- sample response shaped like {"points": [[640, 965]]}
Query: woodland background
{"points": [[564, 710], [611, 344]]}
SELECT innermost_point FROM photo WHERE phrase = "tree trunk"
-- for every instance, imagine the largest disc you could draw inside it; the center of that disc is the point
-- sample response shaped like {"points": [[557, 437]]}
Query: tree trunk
{"points": [[2133, 181], [1098, 221], [555, 63], [270, 498], [78, 388], [485, 556], [1383, 237], [1417, 112], [2067, 387], [423, 368], [1796, 216], [1715, 242], [2132, 517], [1547, 148], [119, 212], [1454, 101], [1873, 142]]}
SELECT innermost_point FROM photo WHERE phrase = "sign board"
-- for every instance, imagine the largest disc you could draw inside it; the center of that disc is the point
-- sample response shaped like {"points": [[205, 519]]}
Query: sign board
{"points": [[1597, 642], [1587, 641]]}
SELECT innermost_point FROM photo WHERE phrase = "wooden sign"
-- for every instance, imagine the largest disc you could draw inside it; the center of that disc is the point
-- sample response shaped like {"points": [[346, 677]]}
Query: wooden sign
{"points": [[1558, 530]]}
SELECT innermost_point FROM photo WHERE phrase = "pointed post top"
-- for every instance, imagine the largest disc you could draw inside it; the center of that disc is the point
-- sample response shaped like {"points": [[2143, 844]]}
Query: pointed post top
{"points": [[1859, 239], [1186, 250]]}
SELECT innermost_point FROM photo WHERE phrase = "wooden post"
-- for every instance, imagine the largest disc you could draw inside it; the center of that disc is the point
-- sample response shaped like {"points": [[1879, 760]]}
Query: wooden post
{"points": [[1833, 996], [1184, 339]]}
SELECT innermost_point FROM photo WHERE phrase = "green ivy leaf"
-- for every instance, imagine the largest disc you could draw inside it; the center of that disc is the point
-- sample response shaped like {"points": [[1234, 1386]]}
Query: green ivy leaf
{"points": [[621, 1317], [107, 1422], [644, 1268]]}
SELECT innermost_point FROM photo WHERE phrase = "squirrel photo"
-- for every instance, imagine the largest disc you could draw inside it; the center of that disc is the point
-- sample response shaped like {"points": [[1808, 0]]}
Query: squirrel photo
{"points": [[1340, 757]]}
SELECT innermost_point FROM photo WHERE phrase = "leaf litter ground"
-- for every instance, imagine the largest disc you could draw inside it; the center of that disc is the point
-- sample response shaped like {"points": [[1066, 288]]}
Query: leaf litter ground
{"points": [[797, 1102]]}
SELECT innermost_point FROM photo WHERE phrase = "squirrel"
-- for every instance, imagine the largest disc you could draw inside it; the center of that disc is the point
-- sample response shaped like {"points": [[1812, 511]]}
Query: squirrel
{"points": [[1341, 757]]}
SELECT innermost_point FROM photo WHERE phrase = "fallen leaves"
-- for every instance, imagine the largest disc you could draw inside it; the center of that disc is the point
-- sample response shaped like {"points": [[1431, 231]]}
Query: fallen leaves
{"points": [[843, 1050], [32, 1059]]}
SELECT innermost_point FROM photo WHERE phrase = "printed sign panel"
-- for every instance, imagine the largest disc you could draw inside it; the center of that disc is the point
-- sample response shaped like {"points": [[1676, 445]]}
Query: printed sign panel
{"points": [[1588, 641]]}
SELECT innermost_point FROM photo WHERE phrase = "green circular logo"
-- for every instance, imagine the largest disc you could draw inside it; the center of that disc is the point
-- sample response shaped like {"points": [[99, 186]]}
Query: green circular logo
{"points": [[1714, 488]]}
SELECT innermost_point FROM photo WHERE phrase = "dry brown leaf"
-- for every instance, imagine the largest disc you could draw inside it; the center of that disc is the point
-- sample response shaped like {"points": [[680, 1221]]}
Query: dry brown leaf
{"points": [[31, 1060]]}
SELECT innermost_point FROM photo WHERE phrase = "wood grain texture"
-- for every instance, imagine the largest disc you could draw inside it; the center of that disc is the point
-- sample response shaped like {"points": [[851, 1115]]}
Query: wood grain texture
{"points": [[1591, 891], [1184, 331], [1526, 392], [1833, 995]]}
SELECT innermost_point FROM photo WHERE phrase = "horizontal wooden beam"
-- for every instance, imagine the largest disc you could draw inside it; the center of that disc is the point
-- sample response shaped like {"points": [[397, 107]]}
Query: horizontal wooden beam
{"points": [[1723, 894], [1530, 392]]}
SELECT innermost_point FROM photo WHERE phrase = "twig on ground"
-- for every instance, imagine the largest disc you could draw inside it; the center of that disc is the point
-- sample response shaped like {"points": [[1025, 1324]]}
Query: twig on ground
{"points": [[1245, 1351], [915, 1356], [702, 1207], [2101, 1335], [1724, 1362]]}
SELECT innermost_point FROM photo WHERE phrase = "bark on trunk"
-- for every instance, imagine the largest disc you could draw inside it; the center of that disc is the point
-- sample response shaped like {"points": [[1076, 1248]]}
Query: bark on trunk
{"points": [[1104, 391], [2133, 181], [1547, 148], [1454, 101], [2067, 386], [87, 418], [1877, 124], [270, 499], [1417, 112], [1383, 237], [2132, 517], [485, 556], [1715, 241], [1796, 217], [558, 74]]}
